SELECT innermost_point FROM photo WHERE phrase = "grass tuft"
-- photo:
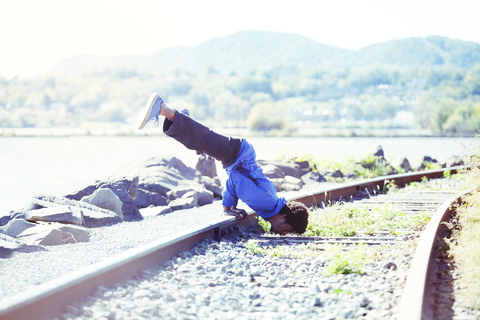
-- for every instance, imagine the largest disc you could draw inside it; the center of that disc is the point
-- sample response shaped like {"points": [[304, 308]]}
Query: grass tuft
{"points": [[352, 261]]}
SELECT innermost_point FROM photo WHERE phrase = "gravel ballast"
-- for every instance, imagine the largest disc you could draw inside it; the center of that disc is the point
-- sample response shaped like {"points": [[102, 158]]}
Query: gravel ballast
{"points": [[227, 281]]}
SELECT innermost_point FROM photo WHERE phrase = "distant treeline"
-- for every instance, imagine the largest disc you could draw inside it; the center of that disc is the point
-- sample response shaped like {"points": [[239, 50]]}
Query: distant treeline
{"points": [[440, 98]]}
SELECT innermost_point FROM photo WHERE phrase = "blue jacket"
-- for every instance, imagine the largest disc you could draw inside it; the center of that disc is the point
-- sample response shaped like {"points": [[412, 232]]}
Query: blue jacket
{"points": [[247, 182]]}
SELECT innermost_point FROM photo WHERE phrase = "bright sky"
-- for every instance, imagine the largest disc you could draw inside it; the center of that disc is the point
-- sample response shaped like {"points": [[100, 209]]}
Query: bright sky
{"points": [[36, 34]]}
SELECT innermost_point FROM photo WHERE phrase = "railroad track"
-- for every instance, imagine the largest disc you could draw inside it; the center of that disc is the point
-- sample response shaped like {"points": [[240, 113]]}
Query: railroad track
{"points": [[49, 300]]}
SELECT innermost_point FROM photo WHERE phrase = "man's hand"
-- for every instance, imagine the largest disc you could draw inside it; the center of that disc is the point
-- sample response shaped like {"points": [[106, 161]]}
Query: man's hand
{"points": [[233, 211]]}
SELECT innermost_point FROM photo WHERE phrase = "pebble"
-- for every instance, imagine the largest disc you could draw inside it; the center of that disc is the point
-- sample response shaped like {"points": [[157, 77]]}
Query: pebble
{"points": [[248, 286]]}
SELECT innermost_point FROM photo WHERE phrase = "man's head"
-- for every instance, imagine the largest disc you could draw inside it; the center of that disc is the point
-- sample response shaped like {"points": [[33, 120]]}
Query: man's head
{"points": [[292, 218]]}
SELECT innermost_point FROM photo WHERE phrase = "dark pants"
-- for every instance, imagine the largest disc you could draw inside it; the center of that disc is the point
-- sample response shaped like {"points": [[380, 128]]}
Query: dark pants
{"points": [[196, 136]]}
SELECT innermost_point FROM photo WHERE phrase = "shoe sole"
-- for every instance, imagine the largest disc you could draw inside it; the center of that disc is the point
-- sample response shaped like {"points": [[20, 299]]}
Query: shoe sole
{"points": [[142, 119]]}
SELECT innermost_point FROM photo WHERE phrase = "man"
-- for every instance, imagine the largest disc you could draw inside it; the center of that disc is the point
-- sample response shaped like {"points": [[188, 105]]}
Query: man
{"points": [[246, 180]]}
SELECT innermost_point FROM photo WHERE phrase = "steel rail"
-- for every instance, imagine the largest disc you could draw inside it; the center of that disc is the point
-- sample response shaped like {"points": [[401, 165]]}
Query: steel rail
{"points": [[48, 300], [417, 299]]}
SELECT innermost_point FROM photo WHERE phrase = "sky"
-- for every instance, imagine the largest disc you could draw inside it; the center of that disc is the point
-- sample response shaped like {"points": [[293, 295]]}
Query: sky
{"points": [[34, 34]]}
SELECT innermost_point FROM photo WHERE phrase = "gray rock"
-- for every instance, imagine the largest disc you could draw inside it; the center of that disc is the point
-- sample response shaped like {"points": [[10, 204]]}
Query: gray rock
{"points": [[105, 198], [187, 201], [179, 192], [293, 180], [204, 197], [145, 183], [42, 235], [147, 198], [211, 184], [272, 171], [402, 163], [417, 164], [74, 234], [16, 226], [313, 176], [286, 168], [278, 182], [429, 159], [126, 190], [93, 216], [292, 184], [450, 160], [334, 174], [206, 166], [53, 234], [155, 211], [95, 219], [376, 151], [391, 170], [8, 245], [62, 214]]}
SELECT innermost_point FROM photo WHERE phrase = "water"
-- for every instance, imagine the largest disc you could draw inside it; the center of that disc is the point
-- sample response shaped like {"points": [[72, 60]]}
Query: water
{"points": [[60, 165]]}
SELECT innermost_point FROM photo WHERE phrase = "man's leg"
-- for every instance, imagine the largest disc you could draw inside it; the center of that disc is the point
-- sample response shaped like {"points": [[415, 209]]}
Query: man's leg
{"points": [[190, 133], [195, 136]]}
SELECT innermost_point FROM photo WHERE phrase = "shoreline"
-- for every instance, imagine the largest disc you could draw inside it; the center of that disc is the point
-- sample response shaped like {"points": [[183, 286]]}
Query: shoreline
{"points": [[243, 132]]}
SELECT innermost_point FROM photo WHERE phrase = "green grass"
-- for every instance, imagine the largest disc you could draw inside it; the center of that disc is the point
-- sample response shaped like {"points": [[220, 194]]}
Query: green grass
{"points": [[465, 247], [341, 221], [270, 251], [352, 261]]}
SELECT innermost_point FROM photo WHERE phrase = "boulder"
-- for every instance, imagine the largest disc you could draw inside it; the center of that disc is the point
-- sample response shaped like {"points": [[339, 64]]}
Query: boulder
{"points": [[294, 181], [62, 214], [206, 166], [179, 192], [376, 151], [417, 165], [8, 242], [147, 198], [155, 211], [125, 188], [278, 182], [42, 235], [391, 170], [187, 201], [211, 184], [204, 197], [292, 184], [74, 234], [450, 160], [147, 182], [8, 245], [16, 226], [313, 176], [53, 234], [93, 216], [286, 168], [429, 159], [272, 171], [402, 163], [95, 219], [333, 173], [105, 198]]}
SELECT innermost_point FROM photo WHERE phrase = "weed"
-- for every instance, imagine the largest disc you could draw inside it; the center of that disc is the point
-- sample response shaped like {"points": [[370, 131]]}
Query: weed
{"points": [[390, 186], [431, 165], [464, 248], [263, 225], [270, 251], [352, 261], [343, 221]]}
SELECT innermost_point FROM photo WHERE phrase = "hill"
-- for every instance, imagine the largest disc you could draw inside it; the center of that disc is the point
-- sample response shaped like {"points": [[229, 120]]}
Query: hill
{"points": [[248, 50]]}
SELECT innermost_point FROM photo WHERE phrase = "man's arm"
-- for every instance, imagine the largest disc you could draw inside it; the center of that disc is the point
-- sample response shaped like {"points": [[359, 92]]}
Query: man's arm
{"points": [[233, 211]]}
